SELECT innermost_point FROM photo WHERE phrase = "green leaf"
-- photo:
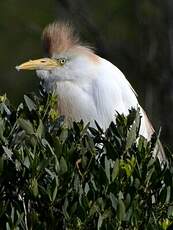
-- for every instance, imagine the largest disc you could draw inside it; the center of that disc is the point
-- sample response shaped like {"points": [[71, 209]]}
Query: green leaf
{"points": [[90, 145], [114, 201], [30, 104], [8, 152], [54, 193], [63, 165], [100, 221], [170, 211], [12, 214], [127, 167], [2, 129], [26, 125], [121, 210], [40, 130], [87, 188], [116, 169], [8, 226], [76, 183], [64, 134], [55, 190], [64, 209], [137, 183], [20, 218], [127, 200], [27, 162], [131, 136], [168, 196], [34, 187], [107, 168]]}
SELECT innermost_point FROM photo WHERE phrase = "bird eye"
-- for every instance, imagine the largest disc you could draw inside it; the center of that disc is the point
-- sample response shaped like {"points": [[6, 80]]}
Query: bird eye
{"points": [[62, 61]]}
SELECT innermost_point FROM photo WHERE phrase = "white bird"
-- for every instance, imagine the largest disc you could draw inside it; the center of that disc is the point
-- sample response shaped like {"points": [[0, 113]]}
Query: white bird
{"points": [[88, 86]]}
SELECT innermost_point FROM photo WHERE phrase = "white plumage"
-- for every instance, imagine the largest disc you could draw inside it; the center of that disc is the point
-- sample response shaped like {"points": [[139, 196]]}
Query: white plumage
{"points": [[88, 86], [96, 93]]}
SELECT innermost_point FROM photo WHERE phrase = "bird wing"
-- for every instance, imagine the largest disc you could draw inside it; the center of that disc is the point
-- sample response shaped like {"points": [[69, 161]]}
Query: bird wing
{"points": [[113, 93]]}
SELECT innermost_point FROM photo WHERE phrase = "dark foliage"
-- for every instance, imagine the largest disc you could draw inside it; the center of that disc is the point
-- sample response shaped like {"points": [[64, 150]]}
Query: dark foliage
{"points": [[54, 177]]}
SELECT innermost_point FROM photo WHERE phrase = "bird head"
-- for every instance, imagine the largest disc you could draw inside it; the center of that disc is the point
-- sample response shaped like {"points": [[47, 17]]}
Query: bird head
{"points": [[67, 58]]}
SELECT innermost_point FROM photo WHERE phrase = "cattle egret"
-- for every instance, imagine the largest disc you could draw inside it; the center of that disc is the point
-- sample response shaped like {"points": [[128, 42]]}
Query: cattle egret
{"points": [[88, 86]]}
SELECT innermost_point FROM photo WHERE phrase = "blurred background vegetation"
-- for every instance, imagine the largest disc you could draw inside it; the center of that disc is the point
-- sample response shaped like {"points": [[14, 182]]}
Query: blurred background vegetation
{"points": [[137, 36]]}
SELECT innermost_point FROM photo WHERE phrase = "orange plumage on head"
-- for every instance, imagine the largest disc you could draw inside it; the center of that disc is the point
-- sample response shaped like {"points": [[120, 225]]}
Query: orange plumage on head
{"points": [[59, 37]]}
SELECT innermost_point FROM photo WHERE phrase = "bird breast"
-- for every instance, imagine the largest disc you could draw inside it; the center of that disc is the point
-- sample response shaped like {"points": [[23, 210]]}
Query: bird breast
{"points": [[76, 103]]}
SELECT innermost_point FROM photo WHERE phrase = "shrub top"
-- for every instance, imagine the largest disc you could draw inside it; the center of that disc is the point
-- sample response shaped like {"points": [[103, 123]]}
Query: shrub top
{"points": [[54, 177]]}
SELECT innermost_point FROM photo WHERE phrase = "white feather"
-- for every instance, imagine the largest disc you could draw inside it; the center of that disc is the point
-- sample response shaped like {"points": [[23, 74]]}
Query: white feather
{"points": [[93, 91]]}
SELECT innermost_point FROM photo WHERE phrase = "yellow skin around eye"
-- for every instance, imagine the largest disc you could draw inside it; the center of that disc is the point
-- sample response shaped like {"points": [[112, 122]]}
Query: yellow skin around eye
{"points": [[62, 61]]}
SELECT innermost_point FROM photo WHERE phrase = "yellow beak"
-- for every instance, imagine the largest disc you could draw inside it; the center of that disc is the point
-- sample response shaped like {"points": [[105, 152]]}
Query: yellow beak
{"points": [[42, 64]]}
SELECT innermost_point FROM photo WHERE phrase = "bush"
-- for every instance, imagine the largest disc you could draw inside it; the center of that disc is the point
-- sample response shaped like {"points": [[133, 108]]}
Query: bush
{"points": [[54, 177]]}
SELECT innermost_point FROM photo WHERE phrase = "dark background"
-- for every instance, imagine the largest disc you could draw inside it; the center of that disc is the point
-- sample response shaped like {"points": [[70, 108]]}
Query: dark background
{"points": [[137, 36]]}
